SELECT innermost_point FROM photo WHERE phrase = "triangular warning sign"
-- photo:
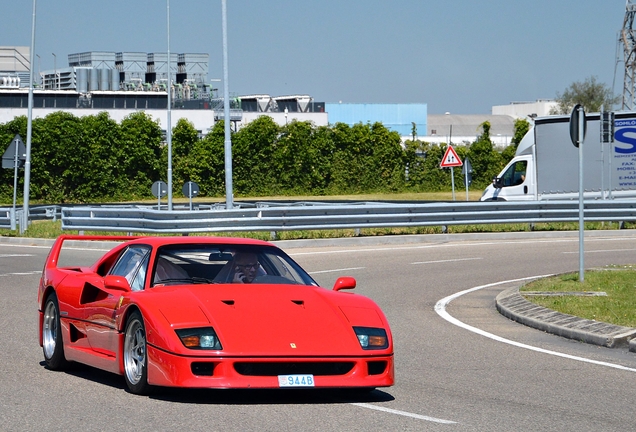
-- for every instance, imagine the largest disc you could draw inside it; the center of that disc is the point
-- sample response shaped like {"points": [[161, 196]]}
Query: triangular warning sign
{"points": [[450, 158]]}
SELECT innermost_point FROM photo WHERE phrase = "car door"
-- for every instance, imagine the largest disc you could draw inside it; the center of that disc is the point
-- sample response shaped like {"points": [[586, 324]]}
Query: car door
{"points": [[100, 307], [515, 182]]}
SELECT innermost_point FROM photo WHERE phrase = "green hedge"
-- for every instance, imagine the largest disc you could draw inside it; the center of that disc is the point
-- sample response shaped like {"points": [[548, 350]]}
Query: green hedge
{"points": [[95, 159]]}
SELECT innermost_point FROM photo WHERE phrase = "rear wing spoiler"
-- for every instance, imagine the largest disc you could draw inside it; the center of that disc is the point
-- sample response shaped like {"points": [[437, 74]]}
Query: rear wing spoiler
{"points": [[54, 253]]}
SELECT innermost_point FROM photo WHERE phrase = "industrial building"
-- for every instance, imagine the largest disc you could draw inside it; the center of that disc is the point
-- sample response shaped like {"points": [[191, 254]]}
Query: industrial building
{"points": [[466, 128], [121, 83], [401, 118]]}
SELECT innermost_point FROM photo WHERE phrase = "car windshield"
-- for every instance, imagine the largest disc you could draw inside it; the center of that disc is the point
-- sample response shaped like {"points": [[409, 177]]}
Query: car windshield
{"points": [[225, 264]]}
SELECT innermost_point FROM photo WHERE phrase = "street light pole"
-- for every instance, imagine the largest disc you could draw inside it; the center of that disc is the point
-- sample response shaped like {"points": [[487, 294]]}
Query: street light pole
{"points": [[229, 199], [27, 163], [169, 126], [55, 71], [39, 70]]}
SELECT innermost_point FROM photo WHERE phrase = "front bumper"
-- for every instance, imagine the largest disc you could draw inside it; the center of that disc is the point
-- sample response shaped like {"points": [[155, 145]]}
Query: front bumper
{"points": [[170, 370]]}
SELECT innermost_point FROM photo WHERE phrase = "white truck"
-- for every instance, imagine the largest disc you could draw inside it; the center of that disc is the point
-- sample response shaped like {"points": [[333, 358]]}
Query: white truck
{"points": [[546, 164]]}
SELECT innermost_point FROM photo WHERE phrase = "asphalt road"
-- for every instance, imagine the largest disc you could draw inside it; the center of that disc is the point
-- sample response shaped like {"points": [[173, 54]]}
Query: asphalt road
{"points": [[460, 366]]}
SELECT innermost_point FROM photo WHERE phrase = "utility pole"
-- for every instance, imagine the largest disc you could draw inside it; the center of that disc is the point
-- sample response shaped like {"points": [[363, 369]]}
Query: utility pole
{"points": [[628, 41]]}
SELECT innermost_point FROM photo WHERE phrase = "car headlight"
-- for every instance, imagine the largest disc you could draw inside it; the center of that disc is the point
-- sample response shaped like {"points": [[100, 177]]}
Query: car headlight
{"points": [[204, 338], [371, 338]]}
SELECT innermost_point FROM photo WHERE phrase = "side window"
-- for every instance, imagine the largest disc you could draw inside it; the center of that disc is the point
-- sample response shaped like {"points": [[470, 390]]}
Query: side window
{"points": [[515, 174], [139, 279], [280, 266], [132, 264], [283, 269]]}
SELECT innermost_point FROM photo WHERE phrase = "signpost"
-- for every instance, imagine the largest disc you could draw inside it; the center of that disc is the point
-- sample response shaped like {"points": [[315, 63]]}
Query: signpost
{"points": [[159, 189], [578, 128], [467, 171], [607, 128], [190, 190], [14, 157], [451, 160]]}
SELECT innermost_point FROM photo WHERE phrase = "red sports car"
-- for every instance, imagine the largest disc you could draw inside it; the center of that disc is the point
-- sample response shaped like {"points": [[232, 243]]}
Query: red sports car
{"points": [[210, 312]]}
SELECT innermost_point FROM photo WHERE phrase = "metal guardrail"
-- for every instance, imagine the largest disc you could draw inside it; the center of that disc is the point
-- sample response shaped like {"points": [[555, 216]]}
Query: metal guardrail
{"points": [[8, 220], [268, 217]]}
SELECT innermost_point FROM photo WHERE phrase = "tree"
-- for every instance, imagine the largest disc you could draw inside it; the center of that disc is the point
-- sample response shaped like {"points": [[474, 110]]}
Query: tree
{"points": [[205, 163], [97, 176], [7, 132], [298, 159], [486, 161], [184, 140], [589, 93], [139, 153], [521, 128], [58, 157], [252, 150]]}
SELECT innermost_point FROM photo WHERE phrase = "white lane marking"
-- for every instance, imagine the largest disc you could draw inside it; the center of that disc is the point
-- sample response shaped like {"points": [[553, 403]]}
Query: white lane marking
{"points": [[602, 251], [429, 246], [336, 270], [23, 273], [440, 308], [49, 247], [459, 243], [15, 255], [24, 246], [402, 413], [448, 260]]}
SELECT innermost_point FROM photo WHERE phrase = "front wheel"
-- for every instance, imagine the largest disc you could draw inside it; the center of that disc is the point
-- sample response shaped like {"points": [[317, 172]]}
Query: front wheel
{"points": [[135, 355], [52, 345]]}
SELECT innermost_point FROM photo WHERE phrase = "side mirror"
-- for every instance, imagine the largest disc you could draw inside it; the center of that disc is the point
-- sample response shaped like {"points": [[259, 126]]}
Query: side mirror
{"points": [[344, 282], [117, 283], [497, 182]]}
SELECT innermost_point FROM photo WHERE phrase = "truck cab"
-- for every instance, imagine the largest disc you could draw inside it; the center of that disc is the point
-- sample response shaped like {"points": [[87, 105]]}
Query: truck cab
{"points": [[514, 183]]}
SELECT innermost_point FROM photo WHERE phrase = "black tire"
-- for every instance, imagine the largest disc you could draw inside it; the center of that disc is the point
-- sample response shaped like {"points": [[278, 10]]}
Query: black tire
{"points": [[136, 355], [52, 344]]}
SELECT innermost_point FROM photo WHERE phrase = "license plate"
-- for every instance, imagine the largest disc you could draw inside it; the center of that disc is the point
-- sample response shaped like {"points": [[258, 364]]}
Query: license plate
{"points": [[295, 380]]}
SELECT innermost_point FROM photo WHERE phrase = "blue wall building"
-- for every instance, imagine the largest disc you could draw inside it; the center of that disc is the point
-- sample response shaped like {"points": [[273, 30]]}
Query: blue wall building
{"points": [[396, 117]]}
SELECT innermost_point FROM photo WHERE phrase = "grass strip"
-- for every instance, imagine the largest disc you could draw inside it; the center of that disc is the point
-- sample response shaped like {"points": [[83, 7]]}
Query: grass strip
{"points": [[618, 307], [52, 229]]}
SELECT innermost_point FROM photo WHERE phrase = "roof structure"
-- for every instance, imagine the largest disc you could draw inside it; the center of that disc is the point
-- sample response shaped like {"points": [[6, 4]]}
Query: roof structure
{"points": [[465, 125]]}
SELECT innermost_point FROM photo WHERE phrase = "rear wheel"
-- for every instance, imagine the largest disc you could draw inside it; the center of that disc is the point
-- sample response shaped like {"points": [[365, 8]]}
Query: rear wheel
{"points": [[135, 355], [52, 345]]}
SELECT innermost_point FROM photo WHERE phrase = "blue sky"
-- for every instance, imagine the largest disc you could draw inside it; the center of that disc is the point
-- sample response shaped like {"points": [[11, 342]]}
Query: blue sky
{"points": [[460, 56]]}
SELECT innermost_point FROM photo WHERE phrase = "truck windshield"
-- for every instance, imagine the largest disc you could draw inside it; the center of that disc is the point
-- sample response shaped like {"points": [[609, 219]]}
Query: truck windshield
{"points": [[515, 174]]}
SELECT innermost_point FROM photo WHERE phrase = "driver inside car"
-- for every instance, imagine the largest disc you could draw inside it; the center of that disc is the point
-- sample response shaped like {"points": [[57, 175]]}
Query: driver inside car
{"points": [[246, 267]]}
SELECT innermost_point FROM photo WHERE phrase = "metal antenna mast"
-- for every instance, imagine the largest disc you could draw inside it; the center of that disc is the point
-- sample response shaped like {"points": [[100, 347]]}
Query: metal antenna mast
{"points": [[628, 40]]}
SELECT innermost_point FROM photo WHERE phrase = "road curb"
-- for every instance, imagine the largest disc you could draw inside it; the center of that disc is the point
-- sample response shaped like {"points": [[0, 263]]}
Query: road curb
{"points": [[511, 304]]}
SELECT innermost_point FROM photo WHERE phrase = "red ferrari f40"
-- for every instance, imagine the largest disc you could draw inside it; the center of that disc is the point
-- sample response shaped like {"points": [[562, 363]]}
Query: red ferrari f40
{"points": [[208, 312]]}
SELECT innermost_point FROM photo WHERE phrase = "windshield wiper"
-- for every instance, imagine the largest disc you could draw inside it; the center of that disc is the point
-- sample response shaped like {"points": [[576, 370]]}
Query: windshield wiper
{"points": [[190, 280], [202, 280]]}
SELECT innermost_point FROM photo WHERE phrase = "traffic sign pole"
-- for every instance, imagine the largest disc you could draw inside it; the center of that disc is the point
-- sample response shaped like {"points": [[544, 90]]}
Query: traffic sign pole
{"points": [[467, 171], [13, 157], [466, 183], [451, 160], [15, 177], [578, 126], [581, 127], [453, 182]]}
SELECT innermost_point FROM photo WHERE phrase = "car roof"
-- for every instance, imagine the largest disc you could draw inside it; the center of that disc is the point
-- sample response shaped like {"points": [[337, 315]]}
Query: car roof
{"points": [[162, 241]]}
